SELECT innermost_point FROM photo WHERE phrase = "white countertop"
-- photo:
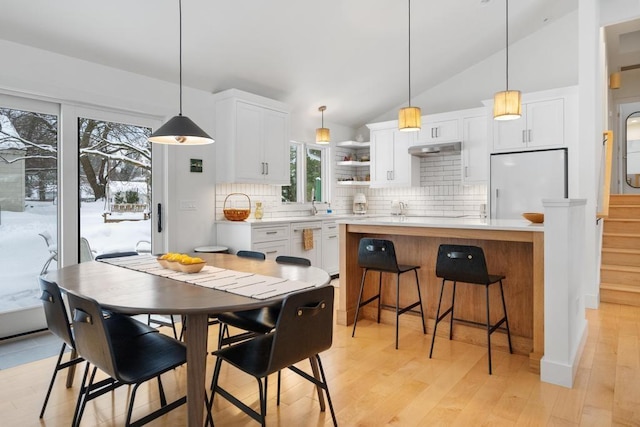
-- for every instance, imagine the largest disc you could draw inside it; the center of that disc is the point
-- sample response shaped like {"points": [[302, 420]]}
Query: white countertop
{"points": [[290, 219], [404, 221], [445, 222]]}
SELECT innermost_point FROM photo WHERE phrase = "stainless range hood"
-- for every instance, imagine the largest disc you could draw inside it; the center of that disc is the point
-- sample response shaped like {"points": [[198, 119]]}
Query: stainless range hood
{"points": [[435, 148]]}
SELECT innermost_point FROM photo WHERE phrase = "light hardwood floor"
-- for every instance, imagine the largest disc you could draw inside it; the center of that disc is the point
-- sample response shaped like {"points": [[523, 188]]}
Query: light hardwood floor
{"points": [[372, 384]]}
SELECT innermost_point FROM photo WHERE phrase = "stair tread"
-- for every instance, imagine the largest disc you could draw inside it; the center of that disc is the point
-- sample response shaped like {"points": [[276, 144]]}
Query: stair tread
{"points": [[621, 250], [620, 287], [622, 234], [616, 267]]}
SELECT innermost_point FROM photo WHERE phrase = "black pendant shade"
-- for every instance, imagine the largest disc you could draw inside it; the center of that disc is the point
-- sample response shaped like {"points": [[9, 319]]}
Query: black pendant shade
{"points": [[180, 130]]}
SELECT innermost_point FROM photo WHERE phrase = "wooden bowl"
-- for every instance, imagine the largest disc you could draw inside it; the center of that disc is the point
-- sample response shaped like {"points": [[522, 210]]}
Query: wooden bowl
{"points": [[534, 217], [163, 262], [191, 268]]}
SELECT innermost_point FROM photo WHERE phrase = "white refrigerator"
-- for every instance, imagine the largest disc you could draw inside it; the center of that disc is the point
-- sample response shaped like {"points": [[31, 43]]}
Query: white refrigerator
{"points": [[520, 180]]}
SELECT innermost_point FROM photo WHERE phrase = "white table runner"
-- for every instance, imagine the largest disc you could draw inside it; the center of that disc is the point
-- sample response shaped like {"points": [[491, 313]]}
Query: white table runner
{"points": [[236, 282]]}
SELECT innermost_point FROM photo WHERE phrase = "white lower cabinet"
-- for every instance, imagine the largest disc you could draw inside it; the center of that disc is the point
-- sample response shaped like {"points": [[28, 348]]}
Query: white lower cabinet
{"points": [[284, 239], [314, 254], [330, 247]]}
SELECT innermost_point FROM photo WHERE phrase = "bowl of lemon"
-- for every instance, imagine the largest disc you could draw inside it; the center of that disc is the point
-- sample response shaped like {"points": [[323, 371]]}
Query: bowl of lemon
{"points": [[181, 262]]}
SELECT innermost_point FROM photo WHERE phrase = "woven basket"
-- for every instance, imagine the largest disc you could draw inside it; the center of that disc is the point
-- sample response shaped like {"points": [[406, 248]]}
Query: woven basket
{"points": [[236, 214]]}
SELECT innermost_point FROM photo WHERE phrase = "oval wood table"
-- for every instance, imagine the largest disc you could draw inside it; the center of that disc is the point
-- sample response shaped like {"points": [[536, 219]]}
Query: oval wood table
{"points": [[134, 292]]}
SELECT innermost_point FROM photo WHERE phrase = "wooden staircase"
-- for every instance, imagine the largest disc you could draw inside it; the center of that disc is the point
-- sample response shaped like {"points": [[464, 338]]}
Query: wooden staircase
{"points": [[620, 266]]}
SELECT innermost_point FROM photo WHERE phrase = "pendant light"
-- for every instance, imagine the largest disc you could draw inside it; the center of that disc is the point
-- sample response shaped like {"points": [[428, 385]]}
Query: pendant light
{"points": [[322, 133], [507, 104], [409, 117], [180, 130]]}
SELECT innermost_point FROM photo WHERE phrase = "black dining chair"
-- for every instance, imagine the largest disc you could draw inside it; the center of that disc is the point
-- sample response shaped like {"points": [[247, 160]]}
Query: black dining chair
{"points": [[256, 321], [289, 343], [251, 254], [58, 324], [467, 264], [380, 255], [126, 356]]}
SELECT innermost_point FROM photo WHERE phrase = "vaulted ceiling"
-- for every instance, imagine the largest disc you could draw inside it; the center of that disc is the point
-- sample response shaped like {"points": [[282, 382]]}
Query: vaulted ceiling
{"points": [[351, 55]]}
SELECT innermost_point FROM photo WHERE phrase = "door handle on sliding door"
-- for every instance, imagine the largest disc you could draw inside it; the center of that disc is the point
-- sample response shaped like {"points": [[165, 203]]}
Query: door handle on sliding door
{"points": [[159, 217]]}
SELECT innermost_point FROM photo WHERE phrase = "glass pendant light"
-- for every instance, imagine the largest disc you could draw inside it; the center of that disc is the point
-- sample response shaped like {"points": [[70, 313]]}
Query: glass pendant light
{"points": [[180, 130], [409, 117], [323, 135], [507, 104]]}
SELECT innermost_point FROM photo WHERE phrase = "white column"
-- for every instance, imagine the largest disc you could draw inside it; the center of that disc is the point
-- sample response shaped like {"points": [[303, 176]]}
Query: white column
{"points": [[565, 329]]}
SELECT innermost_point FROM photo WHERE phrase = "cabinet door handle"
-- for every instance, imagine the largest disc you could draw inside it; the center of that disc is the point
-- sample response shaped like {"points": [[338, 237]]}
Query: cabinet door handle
{"points": [[332, 226], [466, 171], [267, 168], [332, 237], [272, 252], [529, 135], [432, 135], [524, 136], [262, 165], [271, 232]]}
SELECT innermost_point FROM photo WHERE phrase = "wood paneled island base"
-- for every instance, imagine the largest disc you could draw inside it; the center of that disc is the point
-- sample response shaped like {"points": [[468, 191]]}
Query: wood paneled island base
{"points": [[513, 248]]}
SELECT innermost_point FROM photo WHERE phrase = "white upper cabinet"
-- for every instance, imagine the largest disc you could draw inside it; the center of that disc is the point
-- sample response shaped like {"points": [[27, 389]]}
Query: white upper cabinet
{"points": [[544, 122], [435, 130], [391, 163], [474, 148], [252, 139]]}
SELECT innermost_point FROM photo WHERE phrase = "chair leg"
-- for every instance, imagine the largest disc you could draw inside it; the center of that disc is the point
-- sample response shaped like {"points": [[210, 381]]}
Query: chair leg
{"points": [[355, 320], [279, 382], [435, 326], [74, 360], [53, 379], [379, 295], [397, 306], [424, 327], [263, 401], [488, 329], [453, 305], [326, 390], [506, 319], [316, 374]]}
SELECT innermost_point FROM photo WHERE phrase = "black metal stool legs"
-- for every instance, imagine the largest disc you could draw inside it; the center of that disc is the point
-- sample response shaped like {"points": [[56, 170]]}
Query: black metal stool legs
{"points": [[506, 319], [424, 327]]}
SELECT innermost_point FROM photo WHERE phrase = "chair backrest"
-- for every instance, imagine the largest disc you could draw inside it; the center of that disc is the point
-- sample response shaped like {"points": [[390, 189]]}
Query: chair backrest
{"points": [[462, 263], [116, 255], [304, 327], [55, 311], [85, 250], [48, 240], [377, 254], [285, 259], [252, 254], [93, 342]]}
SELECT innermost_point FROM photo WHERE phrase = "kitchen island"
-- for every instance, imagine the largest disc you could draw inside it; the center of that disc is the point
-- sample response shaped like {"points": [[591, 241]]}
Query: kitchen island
{"points": [[514, 248]]}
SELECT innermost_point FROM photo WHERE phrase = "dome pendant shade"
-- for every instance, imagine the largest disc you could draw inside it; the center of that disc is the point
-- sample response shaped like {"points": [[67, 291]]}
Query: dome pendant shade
{"points": [[409, 119], [323, 135], [507, 105], [180, 130]]}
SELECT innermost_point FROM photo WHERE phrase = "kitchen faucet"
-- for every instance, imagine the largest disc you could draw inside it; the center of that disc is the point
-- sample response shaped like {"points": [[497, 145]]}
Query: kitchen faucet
{"points": [[314, 210]]}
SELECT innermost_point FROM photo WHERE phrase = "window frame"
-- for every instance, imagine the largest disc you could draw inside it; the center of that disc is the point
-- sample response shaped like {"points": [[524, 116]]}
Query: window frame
{"points": [[301, 169]]}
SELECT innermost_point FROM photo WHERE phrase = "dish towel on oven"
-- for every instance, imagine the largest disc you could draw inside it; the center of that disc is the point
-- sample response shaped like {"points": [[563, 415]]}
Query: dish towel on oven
{"points": [[307, 239]]}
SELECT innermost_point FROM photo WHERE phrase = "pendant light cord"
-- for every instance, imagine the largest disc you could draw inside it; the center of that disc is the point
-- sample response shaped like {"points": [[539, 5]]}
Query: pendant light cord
{"points": [[180, 50], [507, 38], [409, 53]]}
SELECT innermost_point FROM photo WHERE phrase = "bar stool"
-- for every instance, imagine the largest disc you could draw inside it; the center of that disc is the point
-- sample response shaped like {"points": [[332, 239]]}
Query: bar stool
{"points": [[380, 255], [458, 263]]}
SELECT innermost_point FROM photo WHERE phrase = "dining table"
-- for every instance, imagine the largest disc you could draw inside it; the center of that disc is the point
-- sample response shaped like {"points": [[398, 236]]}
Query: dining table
{"points": [[129, 291]]}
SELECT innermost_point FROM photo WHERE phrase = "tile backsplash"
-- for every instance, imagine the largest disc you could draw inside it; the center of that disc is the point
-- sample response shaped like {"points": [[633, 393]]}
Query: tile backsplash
{"points": [[441, 193]]}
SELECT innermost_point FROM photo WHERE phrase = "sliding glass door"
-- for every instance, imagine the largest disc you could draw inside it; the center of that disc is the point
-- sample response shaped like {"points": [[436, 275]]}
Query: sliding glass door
{"points": [[28, 208]]}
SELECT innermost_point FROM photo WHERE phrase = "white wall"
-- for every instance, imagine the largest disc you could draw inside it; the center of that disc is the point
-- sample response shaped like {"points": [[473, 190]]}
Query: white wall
{"points": [[41, 74]]}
